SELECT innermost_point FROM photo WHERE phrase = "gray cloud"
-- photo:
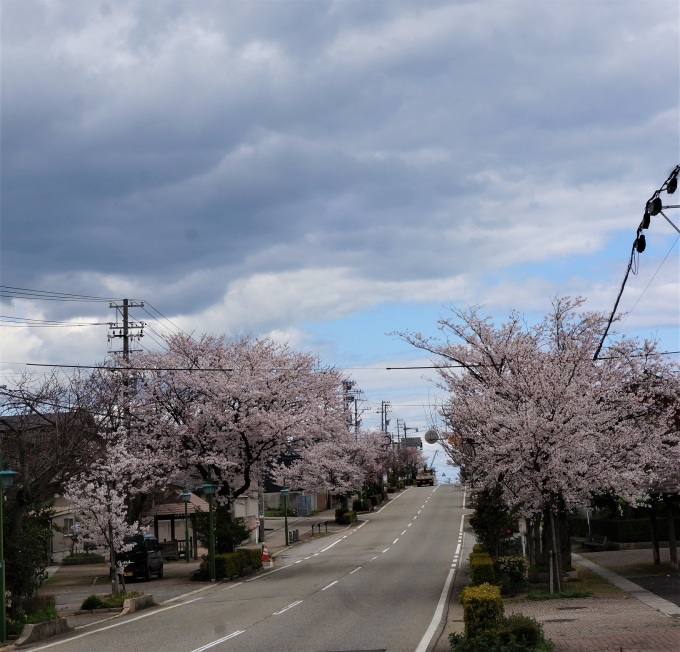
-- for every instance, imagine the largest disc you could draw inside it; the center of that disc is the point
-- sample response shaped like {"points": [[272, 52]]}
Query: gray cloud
{"points": [[153, 141]]}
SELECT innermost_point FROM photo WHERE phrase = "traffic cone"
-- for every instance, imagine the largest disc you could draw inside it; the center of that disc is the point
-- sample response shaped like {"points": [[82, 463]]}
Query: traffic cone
{"points": [[265, 554]]}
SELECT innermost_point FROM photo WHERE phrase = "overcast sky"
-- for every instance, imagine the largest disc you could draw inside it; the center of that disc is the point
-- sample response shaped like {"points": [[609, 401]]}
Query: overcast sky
{"points": [[330, 172]]}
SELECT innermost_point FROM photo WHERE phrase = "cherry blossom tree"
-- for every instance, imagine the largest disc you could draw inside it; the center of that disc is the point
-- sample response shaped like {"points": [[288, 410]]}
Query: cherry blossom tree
{"points": [[229, 408], [339, 464], [533, 412], [99, 497]]}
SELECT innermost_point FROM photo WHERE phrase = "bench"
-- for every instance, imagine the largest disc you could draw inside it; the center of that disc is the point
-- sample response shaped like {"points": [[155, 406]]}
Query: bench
{"points": [[596, 542]]}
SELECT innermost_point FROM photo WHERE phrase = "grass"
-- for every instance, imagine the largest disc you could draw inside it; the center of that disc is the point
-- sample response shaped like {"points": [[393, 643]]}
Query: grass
{"points": [[544, 594], [108, 601]]}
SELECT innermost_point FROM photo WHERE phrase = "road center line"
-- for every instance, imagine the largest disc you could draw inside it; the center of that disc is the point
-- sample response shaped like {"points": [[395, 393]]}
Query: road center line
{"points": [[290, 606], [355, 570], [329, 586], [217, 642], [397, 539]]}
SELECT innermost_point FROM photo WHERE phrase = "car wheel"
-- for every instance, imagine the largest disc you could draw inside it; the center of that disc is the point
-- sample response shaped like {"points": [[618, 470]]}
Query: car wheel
{"points": [[160, 572], [147, 574]]}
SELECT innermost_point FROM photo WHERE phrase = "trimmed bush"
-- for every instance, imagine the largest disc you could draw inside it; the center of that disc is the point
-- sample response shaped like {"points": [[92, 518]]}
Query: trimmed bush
{"points": [[482, 609], [361, 505], [92, 602], [512, 573], [349, 517], [481, 569]]}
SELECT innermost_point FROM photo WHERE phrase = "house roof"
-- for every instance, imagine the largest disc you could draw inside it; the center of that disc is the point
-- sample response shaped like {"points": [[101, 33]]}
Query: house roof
{"points": [[172, 505]]}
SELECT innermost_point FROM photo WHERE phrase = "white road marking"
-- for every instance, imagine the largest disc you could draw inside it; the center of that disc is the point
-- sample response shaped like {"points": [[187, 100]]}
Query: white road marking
{"points": [[290, 606], [329, 586], [355, 570], [218, 641], [118, 624], [439, 611]]}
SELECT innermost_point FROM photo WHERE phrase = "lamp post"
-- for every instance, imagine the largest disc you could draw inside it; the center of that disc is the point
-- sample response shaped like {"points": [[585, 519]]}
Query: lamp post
{"points": [[6, 483], [284, 493], [209, 490], [186, 497]]}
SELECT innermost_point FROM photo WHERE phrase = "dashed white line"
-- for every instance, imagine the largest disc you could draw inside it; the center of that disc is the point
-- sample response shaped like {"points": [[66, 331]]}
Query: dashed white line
{"points": [[329, 586], [355, 570], [218, 641], [386, 549], [290, 606], [397, 539]]}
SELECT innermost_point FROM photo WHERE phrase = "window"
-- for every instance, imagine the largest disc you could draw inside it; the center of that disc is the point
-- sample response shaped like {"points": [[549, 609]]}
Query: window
{"points": [[68, 527]]}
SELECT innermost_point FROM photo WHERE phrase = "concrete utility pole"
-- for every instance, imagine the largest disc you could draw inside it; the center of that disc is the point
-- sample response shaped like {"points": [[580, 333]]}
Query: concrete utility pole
{"points": [[123, 330]]}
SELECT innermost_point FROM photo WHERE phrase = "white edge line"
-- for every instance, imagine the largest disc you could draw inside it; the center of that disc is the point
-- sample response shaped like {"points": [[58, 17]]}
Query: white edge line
{"points": [[118, 624], [439, 611]]}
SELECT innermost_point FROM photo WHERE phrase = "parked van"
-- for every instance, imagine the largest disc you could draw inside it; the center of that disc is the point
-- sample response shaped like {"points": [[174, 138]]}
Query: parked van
{"points": [[144, 559]]}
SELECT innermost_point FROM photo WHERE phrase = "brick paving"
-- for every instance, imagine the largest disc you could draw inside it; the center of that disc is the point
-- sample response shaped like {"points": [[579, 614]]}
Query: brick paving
{"points": [[600, 624]]}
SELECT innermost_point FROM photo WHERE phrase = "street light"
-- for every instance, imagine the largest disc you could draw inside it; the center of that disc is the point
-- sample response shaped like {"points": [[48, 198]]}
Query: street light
{"points": [[284, 493], [6, 483], [209, 490], [186, 497]]}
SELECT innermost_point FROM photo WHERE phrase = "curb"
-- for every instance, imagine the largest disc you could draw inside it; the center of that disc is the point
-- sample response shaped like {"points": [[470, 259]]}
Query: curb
{"points": [[41, 631]]}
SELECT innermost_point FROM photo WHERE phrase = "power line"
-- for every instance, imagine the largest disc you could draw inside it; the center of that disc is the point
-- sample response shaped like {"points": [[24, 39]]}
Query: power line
{"points": [[12, 292]]}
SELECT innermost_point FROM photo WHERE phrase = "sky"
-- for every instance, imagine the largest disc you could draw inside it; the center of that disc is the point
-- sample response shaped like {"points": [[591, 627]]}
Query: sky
{"points": [[330, 173]]}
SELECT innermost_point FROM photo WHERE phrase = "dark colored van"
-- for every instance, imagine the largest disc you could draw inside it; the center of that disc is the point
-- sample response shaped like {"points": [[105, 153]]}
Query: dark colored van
{"points": [[145, 559]]}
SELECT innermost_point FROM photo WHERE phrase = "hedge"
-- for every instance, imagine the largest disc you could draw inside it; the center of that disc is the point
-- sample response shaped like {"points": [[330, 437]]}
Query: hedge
{"points": [[481, 569], [233, 564], [482, 608]]}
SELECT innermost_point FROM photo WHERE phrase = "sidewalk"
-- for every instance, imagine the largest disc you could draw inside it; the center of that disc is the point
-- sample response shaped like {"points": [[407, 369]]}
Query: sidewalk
{"points": [[624, 615]]}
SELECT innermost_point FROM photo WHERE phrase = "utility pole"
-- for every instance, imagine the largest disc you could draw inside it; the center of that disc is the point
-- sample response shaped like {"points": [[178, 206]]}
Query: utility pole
{"points": [[384, 421], [123, 330]]}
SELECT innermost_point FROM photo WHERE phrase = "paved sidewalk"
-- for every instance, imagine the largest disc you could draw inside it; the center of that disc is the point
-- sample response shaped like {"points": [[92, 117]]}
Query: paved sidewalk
{"points": [[626, 617]]}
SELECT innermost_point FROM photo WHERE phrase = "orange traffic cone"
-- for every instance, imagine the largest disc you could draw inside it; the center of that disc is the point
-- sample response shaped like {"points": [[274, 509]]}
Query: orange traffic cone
{"points": [[265, 553]]}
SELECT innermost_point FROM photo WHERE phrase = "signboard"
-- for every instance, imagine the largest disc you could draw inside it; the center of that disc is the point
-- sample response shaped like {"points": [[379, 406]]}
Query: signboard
{"points": [[412, 442]]}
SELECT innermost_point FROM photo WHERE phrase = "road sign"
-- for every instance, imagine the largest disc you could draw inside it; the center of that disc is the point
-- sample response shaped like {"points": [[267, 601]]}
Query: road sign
{"points": [[412, 442], [387, 440]]}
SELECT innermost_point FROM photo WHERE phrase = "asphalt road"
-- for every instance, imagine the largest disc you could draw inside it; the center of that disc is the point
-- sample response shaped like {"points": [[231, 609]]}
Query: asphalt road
{"points": [[377, 586]]}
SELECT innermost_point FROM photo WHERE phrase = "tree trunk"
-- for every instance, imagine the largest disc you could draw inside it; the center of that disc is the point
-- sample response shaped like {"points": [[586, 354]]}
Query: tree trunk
{"points": [[558, 556], [115, 584], [672, 542], [655, 536]]}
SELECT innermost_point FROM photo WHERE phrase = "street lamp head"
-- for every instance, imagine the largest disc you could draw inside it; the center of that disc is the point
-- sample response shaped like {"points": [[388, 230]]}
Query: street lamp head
{"points": [[285, 490], [672, 184], [209, 488], [8, 478], [654, 205], [185, 496]]}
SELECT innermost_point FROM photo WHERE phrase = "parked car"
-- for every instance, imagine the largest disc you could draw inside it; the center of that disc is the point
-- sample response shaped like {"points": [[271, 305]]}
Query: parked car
{"points": [[144, 559]]}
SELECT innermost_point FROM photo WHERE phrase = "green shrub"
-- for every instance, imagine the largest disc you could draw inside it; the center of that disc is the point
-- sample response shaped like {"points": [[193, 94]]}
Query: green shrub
{"points": [[482, 609], [361, 505], [92, 602], [516, 633], [33, 609], [524, 630], [391, 489], [512, 573], [256, 558], [340, 514], [349, 517], [481, 569]]}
